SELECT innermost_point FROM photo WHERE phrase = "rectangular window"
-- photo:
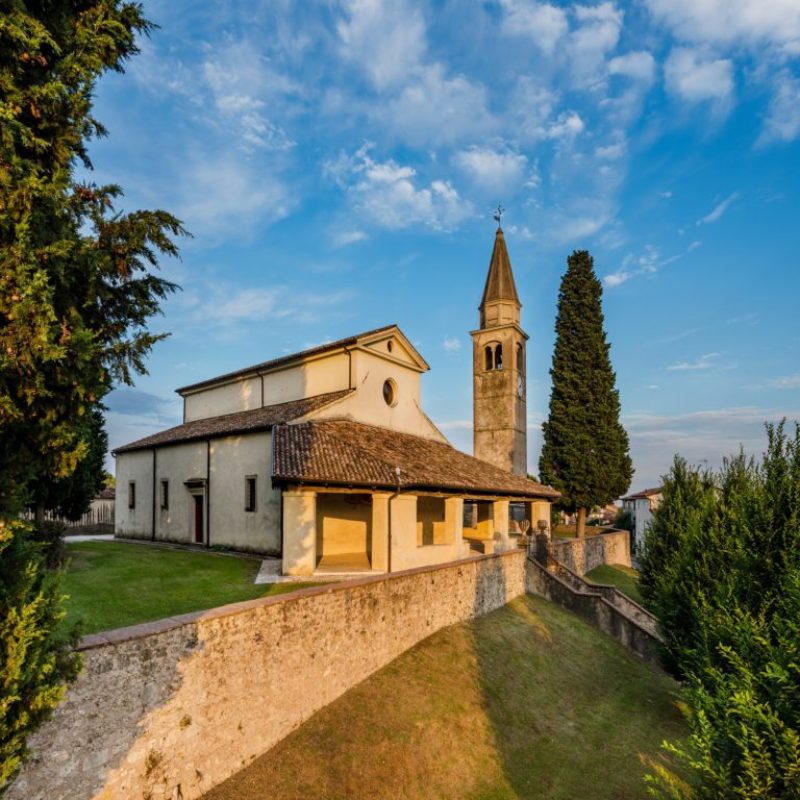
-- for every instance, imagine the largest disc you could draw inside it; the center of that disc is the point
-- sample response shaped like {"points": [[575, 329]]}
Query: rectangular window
{"points": [[250, 493], [165, 494], [132, 494]]}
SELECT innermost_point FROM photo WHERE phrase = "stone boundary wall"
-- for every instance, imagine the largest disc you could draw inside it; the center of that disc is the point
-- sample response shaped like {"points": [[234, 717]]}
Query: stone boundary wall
{"points": [[582, 555], [595, 609], [614, 596], [166, 710]]}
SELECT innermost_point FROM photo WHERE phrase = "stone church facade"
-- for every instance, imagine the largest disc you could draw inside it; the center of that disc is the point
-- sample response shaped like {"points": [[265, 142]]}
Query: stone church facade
{"points": [[326, 458]]}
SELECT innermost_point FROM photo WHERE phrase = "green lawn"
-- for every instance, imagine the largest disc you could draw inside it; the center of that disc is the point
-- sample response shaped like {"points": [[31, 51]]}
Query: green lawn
{"points": [[626, 579], [526, 702], [112, 584]]}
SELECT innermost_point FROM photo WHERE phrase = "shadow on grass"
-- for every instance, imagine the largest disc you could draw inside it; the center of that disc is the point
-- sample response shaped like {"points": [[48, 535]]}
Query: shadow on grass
{"points": [[571, 711]]}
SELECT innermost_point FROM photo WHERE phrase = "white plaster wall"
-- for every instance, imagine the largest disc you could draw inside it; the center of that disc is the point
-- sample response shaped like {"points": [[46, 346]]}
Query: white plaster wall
{"points": [[643, 516], [177, 464], [233, 458], [134, 522], [241, 395], [330, 373], [367, 405]]}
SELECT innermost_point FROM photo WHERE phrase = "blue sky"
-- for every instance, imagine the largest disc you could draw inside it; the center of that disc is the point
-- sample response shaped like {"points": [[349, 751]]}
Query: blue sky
{"points": [[338, 164]]}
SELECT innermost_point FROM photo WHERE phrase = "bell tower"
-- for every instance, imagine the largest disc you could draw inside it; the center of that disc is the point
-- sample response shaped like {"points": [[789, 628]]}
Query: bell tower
{"points": [[498, 368]]}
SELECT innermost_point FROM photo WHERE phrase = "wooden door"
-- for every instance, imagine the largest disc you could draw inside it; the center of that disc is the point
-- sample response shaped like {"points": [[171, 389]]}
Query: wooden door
{"points": [[198, 518]]}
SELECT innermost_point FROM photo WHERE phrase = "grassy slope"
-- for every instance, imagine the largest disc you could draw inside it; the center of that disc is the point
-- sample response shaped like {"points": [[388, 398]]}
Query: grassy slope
{"points": [[526, 702], [626, 579], [111, 584]]}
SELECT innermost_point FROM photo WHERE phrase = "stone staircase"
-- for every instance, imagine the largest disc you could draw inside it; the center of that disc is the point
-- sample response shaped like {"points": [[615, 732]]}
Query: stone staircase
{"points": [[603, 606]]}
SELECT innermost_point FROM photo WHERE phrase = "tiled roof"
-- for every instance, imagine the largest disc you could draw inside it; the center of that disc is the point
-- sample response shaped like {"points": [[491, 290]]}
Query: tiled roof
{"points": [[500, 279], [258, 419], [644, 494], [347, 453], [276, 362], [107, 493]]}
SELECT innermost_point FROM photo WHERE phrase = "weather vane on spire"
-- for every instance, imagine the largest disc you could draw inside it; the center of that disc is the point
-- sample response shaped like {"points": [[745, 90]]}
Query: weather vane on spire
{"points": [[498, 214]]}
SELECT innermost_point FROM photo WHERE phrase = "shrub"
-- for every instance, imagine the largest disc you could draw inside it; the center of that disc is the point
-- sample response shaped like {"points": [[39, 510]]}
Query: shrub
{"points": [[722, 572]]}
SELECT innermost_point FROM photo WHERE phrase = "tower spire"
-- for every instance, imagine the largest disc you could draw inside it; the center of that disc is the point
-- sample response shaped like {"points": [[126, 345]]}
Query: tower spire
{"points": [[500, 286]]}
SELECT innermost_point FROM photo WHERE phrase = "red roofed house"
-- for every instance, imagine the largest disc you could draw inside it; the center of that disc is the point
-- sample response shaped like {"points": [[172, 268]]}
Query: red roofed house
{"points": [[326, 458]]}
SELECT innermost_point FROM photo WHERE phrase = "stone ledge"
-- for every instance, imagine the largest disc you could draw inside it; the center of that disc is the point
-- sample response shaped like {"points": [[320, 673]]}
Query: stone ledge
{"points": [[143, 629]]}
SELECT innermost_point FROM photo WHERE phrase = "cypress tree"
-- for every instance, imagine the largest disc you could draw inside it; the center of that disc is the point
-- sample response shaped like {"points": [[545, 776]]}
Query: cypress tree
{"points": [[585, 452]]}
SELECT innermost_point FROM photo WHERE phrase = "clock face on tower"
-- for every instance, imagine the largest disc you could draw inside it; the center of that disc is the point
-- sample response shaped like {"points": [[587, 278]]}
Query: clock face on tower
{"points": [[520, 386]]}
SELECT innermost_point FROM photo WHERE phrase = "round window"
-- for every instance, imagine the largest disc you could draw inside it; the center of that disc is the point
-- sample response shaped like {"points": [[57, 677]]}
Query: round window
{"points": [[390, 392]]}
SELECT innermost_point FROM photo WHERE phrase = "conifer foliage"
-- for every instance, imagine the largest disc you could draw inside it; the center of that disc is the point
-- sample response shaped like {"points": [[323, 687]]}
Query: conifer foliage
{"points": [[77, 288], [721, 570], [585, 452]]}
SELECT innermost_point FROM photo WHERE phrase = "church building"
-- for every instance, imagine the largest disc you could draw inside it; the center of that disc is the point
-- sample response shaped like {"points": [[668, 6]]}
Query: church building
{"points": [[326, 459]]}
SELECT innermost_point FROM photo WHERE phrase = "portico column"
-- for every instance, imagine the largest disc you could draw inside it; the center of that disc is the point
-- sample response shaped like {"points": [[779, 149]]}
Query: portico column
{"points": [[380, 531], [500, 517], [536, 510], [454, 523], [299, 532]]}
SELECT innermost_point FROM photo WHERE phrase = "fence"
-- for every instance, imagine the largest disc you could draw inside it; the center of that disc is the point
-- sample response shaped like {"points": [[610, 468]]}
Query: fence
{"points": [[100, 516]]}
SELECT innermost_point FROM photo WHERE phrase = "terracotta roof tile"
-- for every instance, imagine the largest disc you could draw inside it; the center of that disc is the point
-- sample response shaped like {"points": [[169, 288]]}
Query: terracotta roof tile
{"points": [[644, 494], [349, 453], [258, 419]]}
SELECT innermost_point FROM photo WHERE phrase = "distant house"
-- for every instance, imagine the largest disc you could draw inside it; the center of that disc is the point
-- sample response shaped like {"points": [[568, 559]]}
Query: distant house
{"points": [[640, 506]]}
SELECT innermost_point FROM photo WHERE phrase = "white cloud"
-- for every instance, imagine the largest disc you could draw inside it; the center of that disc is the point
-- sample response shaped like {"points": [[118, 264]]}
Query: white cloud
{"points": [[230, 306], [787, 382], [753, 22], [385, 37], [391, 196], [593, 38], [649, 262], [451, 345], [493, 170], [697, 77], [217, 196], [706, 361], [342, 238], [702, 437], [545, 24], [718, 210], [434, 109], [782, 123], [567, 126], [611, 152], [639, 65]]}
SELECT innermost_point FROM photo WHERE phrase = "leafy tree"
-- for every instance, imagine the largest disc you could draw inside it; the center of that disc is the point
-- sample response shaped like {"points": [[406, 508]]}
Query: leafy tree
{"points": [[71, 497], [585, 452], [722, 572], [77, 288]]}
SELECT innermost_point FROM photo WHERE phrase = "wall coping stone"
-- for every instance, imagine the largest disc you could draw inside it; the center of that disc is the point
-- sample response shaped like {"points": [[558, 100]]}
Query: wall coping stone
{"points": [[143, 629], [597, 596]]}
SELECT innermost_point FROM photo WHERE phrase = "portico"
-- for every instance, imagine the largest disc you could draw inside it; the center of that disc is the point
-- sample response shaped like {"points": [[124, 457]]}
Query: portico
{"points": [[341, 513]]}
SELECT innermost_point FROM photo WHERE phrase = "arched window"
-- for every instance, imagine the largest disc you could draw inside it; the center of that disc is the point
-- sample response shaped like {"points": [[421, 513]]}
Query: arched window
{"points": [[498, 357], [520, 358], [489, 358]]}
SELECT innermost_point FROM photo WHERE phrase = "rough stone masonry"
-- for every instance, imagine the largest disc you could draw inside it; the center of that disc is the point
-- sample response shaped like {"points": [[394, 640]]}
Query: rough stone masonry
{"points": [[165, 711]]}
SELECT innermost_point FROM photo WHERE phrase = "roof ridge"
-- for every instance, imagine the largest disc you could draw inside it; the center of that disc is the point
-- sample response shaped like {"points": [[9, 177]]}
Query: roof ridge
{"points": [[320, 348]]}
